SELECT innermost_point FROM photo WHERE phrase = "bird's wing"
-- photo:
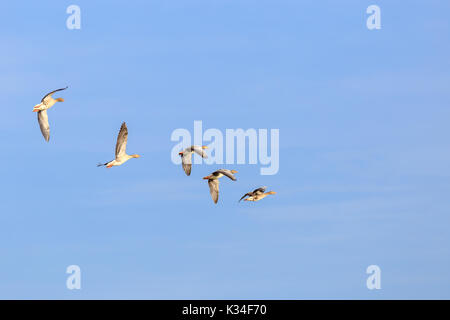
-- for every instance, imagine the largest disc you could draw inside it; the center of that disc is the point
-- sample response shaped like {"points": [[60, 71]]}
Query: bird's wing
{"points": [[259, 191], [50, 93], [43, 124], [186, 161], [199, 150], [122, 138], [247, 194], [227, 173], [214, 189]]}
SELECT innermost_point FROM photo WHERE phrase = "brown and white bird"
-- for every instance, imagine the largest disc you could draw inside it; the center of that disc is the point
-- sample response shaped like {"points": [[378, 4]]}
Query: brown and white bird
{"points": [[121, 146], [258, 197], [186, 157], [46, 103], [213, 181], [255, 192]]}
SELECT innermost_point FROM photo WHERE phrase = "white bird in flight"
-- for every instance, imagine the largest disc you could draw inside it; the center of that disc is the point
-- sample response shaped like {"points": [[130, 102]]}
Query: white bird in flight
{"points": [[121, 146], [46, 103], [213, 181], [186, 157]]}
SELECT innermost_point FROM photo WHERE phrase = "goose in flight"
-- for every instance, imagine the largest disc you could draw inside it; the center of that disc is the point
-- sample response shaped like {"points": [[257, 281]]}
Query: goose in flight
{"points": [[186, 157], [258, 197], [46, 103], [213, 181], [255, 192], [121, 146]]}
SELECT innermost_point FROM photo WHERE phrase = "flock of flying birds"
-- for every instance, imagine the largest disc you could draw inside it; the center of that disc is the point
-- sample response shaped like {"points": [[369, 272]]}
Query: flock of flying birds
{"points": [[121, 156]]}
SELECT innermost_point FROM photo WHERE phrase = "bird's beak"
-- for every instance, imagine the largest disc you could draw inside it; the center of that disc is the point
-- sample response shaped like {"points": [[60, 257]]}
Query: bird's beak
{"points": [[207, 177], [35, 110], [204, 147], [233, 171], [180, 153]]}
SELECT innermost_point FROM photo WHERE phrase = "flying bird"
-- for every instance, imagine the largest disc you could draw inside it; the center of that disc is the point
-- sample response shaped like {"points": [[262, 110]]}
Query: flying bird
{"points": [[186, 157], [258, 197], [213, 181], [121, 146], [46, 103], [254, 193]]}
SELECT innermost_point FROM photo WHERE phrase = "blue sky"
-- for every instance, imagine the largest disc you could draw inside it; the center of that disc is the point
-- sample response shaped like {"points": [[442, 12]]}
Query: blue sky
{"points": [[364, 151]]}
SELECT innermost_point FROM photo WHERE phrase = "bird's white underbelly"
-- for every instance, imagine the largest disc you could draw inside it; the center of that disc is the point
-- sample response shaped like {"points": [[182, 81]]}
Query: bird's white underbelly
{"points": [[48, 104], [122, 160]]}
